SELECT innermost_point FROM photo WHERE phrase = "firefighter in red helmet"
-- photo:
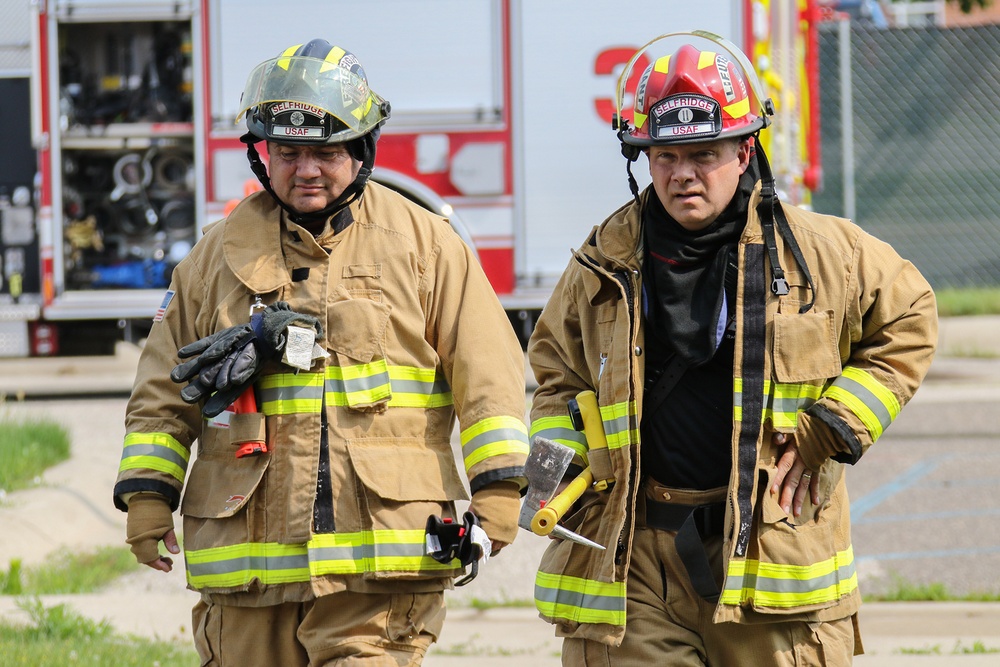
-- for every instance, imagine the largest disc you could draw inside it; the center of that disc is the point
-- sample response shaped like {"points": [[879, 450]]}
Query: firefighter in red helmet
{"points": [[332, 335], [743, 352]]}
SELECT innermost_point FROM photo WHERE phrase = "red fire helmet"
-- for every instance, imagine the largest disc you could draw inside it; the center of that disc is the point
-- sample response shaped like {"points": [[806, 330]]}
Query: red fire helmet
{"points": [[695, 87]]}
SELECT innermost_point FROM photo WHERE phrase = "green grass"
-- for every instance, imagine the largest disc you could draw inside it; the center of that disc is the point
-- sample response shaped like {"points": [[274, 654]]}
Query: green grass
{"points": [[66, 572], [484, 605], [956, 302], [903, 591], [976, 648], [27, 448], [472, 648], [59, 636]]}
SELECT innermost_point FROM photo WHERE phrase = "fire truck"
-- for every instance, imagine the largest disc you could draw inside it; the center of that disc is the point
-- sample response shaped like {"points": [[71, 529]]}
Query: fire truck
{"points": [[501, 121]]}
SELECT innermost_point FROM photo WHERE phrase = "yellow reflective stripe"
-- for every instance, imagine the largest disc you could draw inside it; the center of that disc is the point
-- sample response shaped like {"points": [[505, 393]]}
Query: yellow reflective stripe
{"points": [[333, 57], [335, 553], [418, 388], [291, 393], [782, 401], [620, 425], [155, 451], [785, 400], [580, 600], [493, 436], [706, 59], [559, 429], [783, 586], [361, 384], [239, 564], [738, 109], [290, 51], [405, 386], [372, 551], [662, 64], [870, 401]]}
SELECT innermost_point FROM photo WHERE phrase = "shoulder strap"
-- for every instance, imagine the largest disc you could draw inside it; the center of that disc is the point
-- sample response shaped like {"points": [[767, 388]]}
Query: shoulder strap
{"points": [[665, 384]]}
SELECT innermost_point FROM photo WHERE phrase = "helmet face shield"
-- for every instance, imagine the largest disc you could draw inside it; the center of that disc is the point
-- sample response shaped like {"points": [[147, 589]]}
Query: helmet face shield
{"points": [[688, 87], [304, 99]]}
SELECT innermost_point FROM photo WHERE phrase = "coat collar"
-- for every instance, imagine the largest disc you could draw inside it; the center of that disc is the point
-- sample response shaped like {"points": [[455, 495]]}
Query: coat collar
{"points": [[252, 242]]}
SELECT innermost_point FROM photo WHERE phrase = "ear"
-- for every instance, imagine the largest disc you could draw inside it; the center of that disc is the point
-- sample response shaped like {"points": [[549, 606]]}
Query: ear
{"points": [[743, 150]]}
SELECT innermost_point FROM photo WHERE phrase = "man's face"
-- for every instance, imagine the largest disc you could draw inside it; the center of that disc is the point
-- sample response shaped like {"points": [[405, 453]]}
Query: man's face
{"points": [[695, 182], [310, 178]]}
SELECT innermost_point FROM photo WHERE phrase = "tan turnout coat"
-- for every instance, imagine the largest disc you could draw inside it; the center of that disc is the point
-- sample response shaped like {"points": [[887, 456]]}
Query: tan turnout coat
{"points": [[860, 352], [416, 337]]}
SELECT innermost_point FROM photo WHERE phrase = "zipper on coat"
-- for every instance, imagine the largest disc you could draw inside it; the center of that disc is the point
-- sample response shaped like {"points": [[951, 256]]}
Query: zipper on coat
{"points": [[323, 503], [623, 279], [752, 397]]}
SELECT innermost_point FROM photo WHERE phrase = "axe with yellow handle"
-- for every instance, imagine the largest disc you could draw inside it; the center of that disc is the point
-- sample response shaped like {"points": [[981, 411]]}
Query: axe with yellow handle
{"points": [[586, 416]]}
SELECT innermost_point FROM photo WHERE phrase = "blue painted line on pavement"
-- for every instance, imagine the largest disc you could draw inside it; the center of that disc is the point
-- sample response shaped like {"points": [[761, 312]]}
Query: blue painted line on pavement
{"points": [[925, 516], [868, 502], [939, 553]]}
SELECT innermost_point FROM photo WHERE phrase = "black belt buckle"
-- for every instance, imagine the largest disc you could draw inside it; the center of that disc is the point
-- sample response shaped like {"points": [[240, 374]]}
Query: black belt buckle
{"points": [[710, 519]]}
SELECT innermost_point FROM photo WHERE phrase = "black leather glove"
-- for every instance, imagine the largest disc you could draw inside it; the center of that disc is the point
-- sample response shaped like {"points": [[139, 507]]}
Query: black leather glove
{"points": [[211, 354], [231, 360]]}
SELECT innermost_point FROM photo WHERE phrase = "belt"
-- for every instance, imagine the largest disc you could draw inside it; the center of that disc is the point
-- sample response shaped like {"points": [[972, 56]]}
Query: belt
{"points": [[692, 525], [710, 520]]}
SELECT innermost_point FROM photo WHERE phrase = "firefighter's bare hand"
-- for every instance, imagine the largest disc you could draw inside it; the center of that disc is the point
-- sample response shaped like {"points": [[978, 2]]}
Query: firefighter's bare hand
{"points": [[496, 546], [792, 480], [166, 563], [150, 521]]}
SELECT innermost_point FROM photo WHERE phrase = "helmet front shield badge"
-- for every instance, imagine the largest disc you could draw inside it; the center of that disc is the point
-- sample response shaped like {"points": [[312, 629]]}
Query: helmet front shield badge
{"points": [[311, 100]]}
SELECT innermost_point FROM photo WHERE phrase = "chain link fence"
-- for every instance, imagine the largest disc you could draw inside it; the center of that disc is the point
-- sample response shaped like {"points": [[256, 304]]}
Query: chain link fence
{"points": [[925, 145], [15, 46]]}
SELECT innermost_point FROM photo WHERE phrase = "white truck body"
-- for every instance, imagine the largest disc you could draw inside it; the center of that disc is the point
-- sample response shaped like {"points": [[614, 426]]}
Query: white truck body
{"points": [[500, 120]]}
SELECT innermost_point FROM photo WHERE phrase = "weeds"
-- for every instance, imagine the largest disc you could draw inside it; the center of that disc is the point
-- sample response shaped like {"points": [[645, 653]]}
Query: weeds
{"points": [[70, 572], [976, 648], [902, 590], [27, 448], [59, 636]]}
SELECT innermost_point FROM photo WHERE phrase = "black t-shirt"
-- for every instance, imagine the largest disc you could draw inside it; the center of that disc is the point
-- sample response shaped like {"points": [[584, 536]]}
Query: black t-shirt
{"points": [[686, 442]]}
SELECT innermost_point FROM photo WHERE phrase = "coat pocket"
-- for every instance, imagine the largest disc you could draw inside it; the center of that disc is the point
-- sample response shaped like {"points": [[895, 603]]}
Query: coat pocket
{"points": [[220, 487], [405, 480], [358, 370], [805, 347], [800, 566]]}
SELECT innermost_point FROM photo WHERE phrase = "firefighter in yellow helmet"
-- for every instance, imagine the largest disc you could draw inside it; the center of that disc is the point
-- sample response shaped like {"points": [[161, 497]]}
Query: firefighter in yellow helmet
{"points": [[743, 352], [328, 334]]}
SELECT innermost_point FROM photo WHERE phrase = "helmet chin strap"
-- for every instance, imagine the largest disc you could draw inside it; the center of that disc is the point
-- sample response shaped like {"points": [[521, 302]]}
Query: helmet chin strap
{"points": [[631, 154], [770, 213], [350, 194]]}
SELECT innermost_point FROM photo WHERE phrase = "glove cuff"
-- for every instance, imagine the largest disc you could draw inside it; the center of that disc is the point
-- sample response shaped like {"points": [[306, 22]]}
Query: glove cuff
{"points": [[497, 505], [815, 440], [149, 519]]}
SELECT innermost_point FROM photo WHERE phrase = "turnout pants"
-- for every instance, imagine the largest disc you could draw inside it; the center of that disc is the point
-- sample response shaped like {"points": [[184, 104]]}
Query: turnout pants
{"points": [[669, 622], [343, 630]]}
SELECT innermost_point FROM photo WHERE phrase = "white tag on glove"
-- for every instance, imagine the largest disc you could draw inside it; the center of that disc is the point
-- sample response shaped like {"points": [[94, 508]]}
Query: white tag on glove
{"points": [[480, 537], [299, 342]]}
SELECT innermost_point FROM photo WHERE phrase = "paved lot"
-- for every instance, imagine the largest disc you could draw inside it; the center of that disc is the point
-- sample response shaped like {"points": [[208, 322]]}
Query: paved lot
{"points": [[925, 502]]}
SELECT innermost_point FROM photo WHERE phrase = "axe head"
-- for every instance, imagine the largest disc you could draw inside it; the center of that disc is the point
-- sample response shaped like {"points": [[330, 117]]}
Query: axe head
{"points": [[547, 463]]}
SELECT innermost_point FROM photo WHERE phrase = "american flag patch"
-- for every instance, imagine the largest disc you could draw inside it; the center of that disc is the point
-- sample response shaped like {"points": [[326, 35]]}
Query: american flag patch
{"points": [[163, 305]]}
